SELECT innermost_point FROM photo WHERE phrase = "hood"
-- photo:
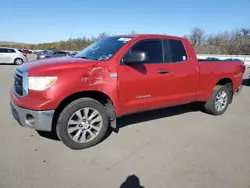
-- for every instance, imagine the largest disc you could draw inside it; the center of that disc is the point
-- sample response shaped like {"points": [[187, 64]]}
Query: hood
{"points": [[51, 64]]}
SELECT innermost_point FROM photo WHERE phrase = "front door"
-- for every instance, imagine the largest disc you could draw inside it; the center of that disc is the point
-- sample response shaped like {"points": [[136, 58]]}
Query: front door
{"points": [[140, 85]]}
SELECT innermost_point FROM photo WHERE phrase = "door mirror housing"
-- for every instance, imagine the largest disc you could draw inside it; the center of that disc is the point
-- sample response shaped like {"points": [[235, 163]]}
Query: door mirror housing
{"points": [[135, 57]]}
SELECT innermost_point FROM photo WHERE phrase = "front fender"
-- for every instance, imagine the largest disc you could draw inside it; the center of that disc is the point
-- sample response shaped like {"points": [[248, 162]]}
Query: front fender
{"points": [[99, 78]]}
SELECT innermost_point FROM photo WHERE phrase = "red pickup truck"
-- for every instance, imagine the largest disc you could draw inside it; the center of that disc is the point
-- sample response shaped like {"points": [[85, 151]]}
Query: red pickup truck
{"points": [[82, 96]]}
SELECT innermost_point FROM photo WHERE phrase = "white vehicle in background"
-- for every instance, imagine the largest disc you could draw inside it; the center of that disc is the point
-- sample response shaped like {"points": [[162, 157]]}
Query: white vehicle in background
{"points": [[12, 56]]}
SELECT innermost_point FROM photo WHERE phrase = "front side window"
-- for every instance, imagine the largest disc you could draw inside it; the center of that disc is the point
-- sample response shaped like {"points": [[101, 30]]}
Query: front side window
{"points": [[103, 49], [153, 49]]}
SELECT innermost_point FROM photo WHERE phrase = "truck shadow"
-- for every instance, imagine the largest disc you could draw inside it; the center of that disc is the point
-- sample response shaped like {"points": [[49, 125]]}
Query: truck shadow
{"points": [[138, 118], [157, 114]]}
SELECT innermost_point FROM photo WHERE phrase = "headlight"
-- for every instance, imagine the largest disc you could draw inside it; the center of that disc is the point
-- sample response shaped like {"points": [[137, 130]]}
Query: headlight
{"points": [[40, 83]]}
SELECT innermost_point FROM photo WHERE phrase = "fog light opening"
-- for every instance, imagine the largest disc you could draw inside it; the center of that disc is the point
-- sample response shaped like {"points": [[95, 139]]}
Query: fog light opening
{"points": [[30, 119]]}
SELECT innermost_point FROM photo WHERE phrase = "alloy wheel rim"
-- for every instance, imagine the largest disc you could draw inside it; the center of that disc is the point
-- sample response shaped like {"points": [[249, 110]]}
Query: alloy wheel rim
{"points": [[84, 125], [221, 100], [19, 61]]}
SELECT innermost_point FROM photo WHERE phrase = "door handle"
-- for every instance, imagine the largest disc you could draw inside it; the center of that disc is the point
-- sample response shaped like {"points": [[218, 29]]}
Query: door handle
{"points": [[163, 71]]}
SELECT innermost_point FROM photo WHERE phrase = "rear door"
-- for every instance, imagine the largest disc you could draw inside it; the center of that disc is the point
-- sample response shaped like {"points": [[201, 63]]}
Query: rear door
{"points": [[181, 81]]}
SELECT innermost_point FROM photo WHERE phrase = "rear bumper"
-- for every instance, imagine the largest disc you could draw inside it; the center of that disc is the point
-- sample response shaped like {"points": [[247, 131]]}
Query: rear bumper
{"points": [[38, 120]]}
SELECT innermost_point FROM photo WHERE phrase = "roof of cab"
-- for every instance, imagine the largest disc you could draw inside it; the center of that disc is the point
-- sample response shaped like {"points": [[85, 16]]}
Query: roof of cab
{"points": [[149, 35]]}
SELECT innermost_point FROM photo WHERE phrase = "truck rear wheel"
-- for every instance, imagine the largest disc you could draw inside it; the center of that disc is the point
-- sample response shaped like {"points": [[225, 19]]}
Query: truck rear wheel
{"points": [[219, 101], [82, 123]]}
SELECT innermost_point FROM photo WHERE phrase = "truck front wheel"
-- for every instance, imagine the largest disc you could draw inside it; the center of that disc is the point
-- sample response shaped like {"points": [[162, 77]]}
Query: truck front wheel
{"points": [[82, 123], [219, 101]]}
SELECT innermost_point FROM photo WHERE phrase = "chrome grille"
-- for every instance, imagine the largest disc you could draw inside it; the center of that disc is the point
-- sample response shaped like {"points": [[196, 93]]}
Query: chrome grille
{"points": [[20, 82]]}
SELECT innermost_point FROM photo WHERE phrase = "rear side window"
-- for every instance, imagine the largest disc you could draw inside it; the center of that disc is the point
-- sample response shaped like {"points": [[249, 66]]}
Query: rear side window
{"points": [[11, 51], [152, 47], [177, 49], [174, 51]]}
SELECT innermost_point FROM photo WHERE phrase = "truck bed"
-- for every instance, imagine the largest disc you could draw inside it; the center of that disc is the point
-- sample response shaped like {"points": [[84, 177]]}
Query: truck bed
{"points": [[207, 60], [212, 71]]}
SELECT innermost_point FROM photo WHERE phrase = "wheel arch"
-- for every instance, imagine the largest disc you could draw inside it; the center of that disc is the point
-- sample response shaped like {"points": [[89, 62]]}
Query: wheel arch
{"points": [[224, 81], [96, 95], [229, 83]]}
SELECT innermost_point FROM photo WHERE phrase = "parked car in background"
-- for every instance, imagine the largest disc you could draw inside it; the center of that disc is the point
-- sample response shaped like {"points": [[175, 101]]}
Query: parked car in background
{"points": [[72, 53], [233, 59], [25, 51], [52, 53], [42, 54], [80, 97], [212, 59], [12, 56]]}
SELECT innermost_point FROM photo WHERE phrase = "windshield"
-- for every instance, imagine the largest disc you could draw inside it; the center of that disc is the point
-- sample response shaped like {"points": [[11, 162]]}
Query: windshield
{"points": [[103, 49]]}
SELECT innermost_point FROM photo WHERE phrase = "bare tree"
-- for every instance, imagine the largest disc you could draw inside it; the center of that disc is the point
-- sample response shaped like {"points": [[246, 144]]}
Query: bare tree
{"points": [[102, 35], [197, 36], [229, 42]]}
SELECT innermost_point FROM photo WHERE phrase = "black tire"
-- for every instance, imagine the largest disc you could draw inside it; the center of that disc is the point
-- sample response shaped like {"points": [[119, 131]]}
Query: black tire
{"points": [[210, 104], [18, 61], [69, 110]]}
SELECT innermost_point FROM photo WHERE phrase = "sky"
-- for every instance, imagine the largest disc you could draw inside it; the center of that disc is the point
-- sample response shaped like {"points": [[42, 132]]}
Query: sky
{"points": [[37, 21]]}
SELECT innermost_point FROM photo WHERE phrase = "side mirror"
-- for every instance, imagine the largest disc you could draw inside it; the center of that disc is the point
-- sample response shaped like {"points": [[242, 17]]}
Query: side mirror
{"points": [[135, 57]]}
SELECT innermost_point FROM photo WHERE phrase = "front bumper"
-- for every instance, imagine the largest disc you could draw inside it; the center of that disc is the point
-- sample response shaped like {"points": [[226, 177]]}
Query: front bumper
{"points": [[38, 120]]}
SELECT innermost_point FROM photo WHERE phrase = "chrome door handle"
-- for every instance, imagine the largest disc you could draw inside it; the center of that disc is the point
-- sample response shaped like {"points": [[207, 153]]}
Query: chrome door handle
{"points": [[163, 71]]}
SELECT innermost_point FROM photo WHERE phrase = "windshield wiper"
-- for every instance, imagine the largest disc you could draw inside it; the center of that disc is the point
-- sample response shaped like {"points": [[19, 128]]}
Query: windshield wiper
{"points": [[83, 57]]}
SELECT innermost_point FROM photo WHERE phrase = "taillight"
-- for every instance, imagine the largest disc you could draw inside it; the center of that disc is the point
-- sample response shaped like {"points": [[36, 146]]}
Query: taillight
{"points": [[243, 67]]}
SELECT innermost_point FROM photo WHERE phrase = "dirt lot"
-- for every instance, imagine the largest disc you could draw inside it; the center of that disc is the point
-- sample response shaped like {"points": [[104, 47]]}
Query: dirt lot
{"points": [[175, 147]]}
